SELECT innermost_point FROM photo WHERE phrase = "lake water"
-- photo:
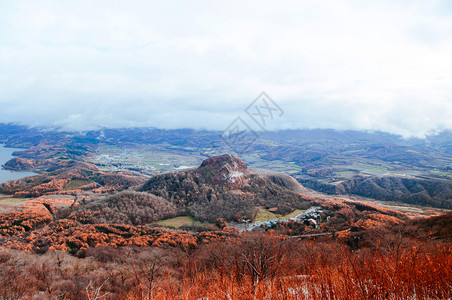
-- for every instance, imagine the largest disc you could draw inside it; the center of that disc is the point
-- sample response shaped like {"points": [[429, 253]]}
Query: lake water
{"points": [[6, 175]]}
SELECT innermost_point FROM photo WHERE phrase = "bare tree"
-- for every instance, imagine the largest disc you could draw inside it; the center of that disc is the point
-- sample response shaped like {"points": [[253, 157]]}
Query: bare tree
{"points": [[94, 293]]}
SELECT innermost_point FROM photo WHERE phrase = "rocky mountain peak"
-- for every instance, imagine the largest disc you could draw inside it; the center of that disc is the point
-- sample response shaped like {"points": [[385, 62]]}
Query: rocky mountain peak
{"points": [[226, 168], [229, 160]]}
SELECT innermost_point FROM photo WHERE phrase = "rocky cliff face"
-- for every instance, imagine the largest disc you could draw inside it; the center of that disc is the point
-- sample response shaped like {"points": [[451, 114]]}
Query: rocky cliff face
{"points": [[225, 169]]}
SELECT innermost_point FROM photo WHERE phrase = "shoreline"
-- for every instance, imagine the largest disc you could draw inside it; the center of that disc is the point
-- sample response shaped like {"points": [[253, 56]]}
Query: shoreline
{"points": [[6, 174]]}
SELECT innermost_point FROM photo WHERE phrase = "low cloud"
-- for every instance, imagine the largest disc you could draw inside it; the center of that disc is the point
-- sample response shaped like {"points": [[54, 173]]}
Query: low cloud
{"points": [[341, 64]]}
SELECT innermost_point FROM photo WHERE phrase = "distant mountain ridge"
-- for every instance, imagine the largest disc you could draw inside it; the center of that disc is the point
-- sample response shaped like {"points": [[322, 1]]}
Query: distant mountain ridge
{"points": [[426, 192], [323, 159]]}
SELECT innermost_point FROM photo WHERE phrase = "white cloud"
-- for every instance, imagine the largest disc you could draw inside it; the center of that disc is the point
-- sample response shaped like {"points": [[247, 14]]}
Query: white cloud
{"points": [[344, 64]]}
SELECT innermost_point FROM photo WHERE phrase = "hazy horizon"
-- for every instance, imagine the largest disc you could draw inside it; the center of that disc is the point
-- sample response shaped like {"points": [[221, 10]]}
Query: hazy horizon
{"points": [[342, 65]]}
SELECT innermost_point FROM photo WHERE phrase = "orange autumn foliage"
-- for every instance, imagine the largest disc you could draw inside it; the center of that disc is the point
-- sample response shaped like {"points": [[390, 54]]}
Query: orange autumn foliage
{"points": [[248, 266]]}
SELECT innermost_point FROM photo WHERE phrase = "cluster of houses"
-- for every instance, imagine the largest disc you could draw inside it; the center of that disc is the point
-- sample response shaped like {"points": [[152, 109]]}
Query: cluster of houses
{"points": [[310, 217]]}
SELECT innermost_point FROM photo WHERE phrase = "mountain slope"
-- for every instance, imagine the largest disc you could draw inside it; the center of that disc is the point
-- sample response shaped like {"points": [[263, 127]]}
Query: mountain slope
{"points": [[427, 192], [223, 187]]}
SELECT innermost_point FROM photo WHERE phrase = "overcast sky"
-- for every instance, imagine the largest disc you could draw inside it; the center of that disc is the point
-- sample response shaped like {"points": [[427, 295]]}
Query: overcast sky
{"points": [[373, 65]]}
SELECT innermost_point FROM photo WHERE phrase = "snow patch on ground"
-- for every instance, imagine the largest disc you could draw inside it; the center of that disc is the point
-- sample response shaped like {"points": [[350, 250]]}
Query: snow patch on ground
{"points": [[233, 175]]}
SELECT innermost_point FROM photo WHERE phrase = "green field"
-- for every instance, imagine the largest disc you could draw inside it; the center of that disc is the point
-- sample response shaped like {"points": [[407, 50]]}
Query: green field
{"points": [[178, 221], [13, 201], [377, 170], [292, 214], [265, 215], [150, 158], [442, 173], [347, 174]]}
